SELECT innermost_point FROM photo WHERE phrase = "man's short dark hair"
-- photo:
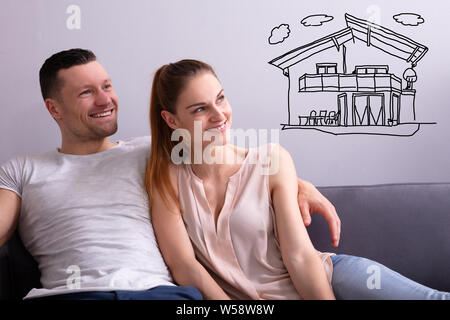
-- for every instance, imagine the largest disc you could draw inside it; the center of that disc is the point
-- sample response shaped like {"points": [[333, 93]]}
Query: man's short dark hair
{"points": [[48, 75]]}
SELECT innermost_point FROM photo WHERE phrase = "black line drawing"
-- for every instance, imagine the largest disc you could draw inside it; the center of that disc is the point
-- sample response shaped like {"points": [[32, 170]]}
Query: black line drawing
{"points": [[369, 99], [316, 20], [409, 19], [279, 34]]}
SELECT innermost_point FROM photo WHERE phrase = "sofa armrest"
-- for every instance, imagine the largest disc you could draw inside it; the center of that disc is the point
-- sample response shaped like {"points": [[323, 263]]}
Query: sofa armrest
{"points": [[5, 274], [24, 272]]}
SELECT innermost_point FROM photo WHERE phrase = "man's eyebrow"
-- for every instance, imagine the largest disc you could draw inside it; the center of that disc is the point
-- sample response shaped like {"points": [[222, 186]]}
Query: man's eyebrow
{"points": [[87, 85], [202, 103]]}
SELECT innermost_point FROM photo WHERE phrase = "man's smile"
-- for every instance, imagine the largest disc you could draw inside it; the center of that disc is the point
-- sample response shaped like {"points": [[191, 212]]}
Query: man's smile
{"points": [[102, 114]]}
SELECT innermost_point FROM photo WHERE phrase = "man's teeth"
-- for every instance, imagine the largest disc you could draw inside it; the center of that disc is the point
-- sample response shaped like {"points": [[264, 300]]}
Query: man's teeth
{"points": [[219, 128], [104, 114]]}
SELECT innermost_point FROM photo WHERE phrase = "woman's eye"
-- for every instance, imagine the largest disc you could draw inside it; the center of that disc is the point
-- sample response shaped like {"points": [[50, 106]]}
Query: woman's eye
{"points": [[198, 109], [221, 98]]}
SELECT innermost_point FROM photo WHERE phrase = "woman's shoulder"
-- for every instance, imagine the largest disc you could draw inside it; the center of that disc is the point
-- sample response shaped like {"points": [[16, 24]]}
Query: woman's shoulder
{"points": [[281, 165], [271, 153]]}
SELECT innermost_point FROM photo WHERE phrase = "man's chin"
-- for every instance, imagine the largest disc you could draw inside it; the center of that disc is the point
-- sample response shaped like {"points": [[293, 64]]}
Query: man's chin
{"points": [[106, 132]]}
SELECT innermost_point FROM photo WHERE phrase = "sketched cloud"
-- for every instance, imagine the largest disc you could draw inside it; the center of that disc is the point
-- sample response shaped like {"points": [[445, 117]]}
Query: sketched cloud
{"points": [[279, 34], [316, 20], [409, 19]]}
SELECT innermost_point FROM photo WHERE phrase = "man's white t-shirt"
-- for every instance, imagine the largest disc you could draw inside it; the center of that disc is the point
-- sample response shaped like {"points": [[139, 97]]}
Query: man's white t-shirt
{"points": [[85, 219]]}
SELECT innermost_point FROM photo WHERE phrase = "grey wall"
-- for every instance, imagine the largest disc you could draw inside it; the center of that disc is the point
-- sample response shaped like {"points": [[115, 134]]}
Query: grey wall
{"points": [[133, 38]]}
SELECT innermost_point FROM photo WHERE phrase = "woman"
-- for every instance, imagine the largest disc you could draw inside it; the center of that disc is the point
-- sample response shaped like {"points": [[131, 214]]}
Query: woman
{"points": [[233, 228]]}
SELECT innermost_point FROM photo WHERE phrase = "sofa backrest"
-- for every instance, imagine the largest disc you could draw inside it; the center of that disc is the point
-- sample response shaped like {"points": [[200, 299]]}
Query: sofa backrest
{"points": [[403, 226]]}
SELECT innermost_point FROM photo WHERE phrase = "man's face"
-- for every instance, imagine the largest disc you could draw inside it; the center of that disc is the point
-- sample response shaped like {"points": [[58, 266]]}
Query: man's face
{"points": [[87, 103]]}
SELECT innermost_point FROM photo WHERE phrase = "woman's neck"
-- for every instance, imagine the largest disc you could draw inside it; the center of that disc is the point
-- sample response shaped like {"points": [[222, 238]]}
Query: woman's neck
{"points": [[221, 161]]}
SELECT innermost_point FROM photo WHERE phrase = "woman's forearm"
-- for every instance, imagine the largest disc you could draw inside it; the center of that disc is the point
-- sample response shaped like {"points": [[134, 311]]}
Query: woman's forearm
{"points": [[307, 274], [194, 274]]}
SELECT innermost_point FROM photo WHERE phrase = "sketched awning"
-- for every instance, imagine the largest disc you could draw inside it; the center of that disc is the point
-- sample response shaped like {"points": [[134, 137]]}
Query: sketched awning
{"points": [[370, 33], [304, 52]]}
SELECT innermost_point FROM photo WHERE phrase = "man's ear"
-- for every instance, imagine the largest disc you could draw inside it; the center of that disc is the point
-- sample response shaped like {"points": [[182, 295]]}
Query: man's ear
{"points": [[54, 108], [170, 119]]}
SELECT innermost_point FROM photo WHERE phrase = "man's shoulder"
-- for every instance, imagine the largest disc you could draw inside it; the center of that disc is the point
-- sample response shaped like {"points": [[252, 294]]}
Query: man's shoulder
{"points": [[21, 160], [143, 141]]}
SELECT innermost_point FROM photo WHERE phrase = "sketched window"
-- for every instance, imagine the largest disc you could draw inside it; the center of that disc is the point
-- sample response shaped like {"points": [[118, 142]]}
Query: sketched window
{"points": [[321, 70], [371, 69], [324, 68], [383, 70]]}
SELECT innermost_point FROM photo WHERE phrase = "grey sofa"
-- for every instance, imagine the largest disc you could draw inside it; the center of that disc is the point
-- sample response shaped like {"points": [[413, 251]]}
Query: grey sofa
{"points": [[403, 226]]}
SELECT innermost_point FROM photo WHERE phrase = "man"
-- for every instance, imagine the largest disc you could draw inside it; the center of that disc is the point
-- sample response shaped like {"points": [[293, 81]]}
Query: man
{"points": [[81, 210]]}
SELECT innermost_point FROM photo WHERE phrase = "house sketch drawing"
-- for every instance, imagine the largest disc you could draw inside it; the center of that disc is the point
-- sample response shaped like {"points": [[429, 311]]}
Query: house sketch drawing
{"points": [[359, 80]]}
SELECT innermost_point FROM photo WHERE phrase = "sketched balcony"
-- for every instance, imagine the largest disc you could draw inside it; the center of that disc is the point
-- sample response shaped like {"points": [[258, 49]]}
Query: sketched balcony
{"points": [[336, 82]]}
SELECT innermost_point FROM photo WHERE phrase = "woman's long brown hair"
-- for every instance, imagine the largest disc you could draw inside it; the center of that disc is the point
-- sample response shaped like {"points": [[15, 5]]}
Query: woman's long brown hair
{"points": [[168, 83]]}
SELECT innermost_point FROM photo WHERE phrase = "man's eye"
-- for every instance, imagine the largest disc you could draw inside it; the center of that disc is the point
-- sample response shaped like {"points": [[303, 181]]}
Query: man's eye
{"points": [[85, 92], [108, 86], [221, 98]]}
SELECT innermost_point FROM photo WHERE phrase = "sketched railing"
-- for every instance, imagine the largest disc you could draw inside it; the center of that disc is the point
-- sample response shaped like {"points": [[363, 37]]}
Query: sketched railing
{"points": [[349, 82]]}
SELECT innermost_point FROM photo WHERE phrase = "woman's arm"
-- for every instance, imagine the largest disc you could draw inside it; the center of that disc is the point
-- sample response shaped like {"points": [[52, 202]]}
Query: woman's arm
{"points": [[301, 259], [177, 249]]}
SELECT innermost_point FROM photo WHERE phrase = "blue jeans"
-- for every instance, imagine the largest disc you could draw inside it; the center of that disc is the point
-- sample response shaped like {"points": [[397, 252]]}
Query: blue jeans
{"points": [[356, 278], [156, 293]]}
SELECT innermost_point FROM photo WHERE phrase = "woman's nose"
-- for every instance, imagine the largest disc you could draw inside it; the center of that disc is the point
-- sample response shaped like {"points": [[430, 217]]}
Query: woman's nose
{"points": [[218, 114]]}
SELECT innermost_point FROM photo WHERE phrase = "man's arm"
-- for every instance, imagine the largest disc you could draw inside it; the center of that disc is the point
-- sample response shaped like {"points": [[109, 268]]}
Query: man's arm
{"points": [[9, 214], [310, 200]]}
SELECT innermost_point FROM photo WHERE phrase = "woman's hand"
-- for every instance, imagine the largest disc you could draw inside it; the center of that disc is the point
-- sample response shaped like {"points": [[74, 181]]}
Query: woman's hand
{"points": [[310, 200]]}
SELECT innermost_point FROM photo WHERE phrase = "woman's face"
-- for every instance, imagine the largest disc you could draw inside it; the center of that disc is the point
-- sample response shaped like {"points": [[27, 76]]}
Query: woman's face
{"points": [[202, 100]]}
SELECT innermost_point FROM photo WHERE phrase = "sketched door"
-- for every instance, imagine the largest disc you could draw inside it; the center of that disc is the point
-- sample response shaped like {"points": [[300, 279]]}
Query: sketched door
{"points": [[342, 109], [395, 110], [368, 109]]}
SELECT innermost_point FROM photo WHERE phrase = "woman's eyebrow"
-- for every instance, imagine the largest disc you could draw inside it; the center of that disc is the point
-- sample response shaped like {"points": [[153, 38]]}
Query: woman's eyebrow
{"points": [[202, 103], [196, 105]]}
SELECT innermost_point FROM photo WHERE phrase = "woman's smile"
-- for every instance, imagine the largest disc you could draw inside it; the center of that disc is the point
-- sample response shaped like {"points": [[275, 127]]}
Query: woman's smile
{"points": [[220, 128]]}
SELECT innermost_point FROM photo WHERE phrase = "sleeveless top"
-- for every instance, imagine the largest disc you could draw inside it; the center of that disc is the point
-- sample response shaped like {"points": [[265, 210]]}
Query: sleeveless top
{"points": [[243, 254]]}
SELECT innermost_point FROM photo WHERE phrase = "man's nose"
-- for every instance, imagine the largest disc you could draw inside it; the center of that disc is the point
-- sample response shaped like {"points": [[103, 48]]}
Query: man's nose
{"points": [[102, 98]]}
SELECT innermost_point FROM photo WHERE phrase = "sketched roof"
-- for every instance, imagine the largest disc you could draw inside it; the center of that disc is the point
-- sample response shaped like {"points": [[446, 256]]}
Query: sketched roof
{"points": [[370, 33]]}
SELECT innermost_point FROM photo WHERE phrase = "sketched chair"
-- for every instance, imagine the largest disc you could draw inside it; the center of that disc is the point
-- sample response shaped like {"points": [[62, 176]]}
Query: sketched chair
{"points": [[332, 118], [392, 122], [303, 120], [312, 119], [322, 118]]}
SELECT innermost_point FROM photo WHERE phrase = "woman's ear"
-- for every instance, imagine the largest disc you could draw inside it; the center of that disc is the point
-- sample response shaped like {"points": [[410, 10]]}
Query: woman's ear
{"points": [[170, 119]]}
